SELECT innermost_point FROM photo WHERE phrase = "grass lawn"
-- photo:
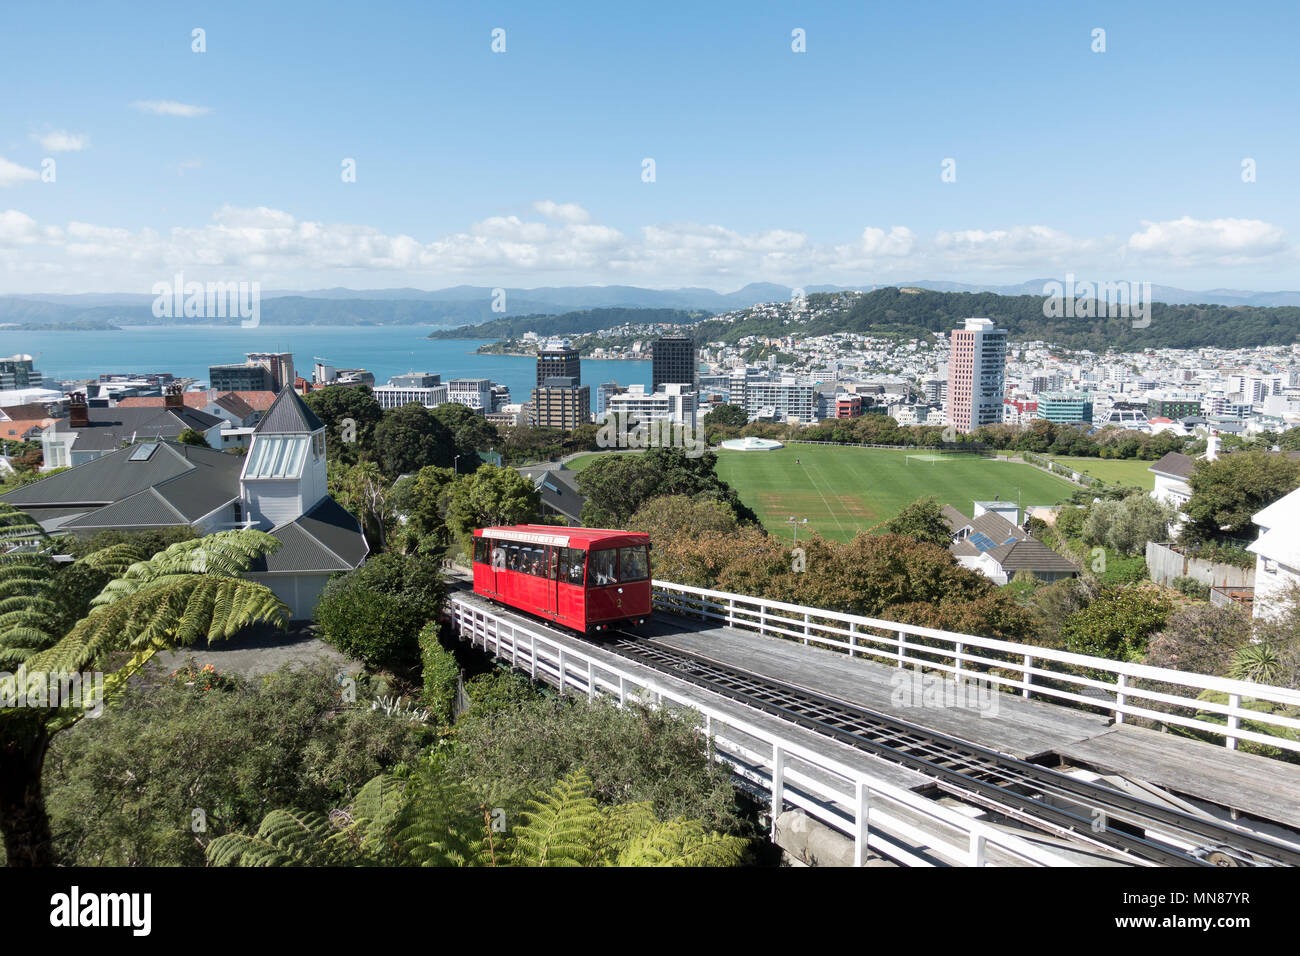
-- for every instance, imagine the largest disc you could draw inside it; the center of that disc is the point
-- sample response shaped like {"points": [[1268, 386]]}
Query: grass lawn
{"points": [[842, 490], [1113, 471]]}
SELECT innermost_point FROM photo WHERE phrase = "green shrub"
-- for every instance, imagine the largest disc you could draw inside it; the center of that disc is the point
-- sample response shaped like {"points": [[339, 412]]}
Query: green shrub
{"points": [[376, 612], [441, 674], [168, 768], [1191, 587]]}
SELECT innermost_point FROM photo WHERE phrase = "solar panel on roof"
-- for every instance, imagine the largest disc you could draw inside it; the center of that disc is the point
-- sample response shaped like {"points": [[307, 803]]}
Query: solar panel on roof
{"points": [[143, 451], [981, 541]]}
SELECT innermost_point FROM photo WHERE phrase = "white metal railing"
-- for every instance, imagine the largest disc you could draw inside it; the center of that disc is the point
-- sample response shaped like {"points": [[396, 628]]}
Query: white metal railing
{"points": [[890, 819], [1111, 686]]}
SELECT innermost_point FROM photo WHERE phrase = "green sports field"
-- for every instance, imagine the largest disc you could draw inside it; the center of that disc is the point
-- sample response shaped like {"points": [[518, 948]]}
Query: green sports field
{"points": [[1113, 471], [843, 490]]}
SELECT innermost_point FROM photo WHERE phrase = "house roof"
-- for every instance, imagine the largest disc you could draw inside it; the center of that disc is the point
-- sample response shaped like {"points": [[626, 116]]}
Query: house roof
{"points": [[289, 415], [955, 519], [19, 430], [326, 538], [27, 412], [258, 399], [1174, 465], [175, 485], [110, 427], [1029, 554], [560, 492], [200, 400], [235, 405]]}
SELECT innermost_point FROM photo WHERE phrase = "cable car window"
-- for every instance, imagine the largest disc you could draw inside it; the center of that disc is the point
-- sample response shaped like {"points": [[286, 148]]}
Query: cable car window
{"points": [[512, 557], [572, 561], [498, 556], [480, 550], [552, 563], [633, 565], [604, 567], [536, 566]]}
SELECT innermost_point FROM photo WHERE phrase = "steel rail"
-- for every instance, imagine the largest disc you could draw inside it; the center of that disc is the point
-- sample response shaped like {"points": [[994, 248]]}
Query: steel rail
{"points": [[967, 770]]}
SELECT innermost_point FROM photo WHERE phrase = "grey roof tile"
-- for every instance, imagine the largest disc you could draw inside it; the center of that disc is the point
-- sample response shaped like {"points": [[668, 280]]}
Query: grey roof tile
{"points": [[289, 415]]}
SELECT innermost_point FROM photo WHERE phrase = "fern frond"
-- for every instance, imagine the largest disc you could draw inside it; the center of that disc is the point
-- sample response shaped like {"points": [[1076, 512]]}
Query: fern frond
{"points": [[560, 827]]}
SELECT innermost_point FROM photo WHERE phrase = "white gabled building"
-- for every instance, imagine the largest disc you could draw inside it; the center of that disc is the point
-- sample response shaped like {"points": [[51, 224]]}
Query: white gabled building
{"points": [[1277, 554]]}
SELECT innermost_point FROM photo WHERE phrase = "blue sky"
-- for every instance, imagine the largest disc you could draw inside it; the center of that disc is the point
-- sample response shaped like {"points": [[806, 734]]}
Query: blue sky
{"points": [[524, 168]]}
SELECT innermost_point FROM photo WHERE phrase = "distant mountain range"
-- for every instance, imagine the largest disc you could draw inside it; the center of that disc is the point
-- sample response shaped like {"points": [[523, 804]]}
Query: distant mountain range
{"points": [[467, 305]]}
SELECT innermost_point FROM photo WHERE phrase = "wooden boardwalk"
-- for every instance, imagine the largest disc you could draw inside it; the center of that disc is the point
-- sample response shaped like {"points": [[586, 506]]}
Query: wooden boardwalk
{"points": [[1035, 730]]}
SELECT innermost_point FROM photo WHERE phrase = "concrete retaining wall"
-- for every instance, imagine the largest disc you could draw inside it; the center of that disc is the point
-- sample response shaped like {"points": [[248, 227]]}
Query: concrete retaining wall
{"points": [[1164, 564]]}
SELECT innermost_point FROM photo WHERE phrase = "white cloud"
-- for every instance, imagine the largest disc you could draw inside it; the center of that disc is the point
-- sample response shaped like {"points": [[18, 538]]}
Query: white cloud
{"points": [[562, 212], [563, 243], [61, 141], [168, 108], [11, 174], [1224, 241]]}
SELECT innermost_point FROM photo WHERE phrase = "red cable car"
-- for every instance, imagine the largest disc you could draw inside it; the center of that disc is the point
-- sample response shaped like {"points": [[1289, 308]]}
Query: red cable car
{"points": [[583, 578]]}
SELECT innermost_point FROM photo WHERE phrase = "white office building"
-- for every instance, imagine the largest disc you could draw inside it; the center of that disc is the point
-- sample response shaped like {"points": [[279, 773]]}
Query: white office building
{"points": [[675, 403], [475, 393]]}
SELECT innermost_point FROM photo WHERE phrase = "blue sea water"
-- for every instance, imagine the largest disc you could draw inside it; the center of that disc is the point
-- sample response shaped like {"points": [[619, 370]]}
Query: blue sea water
{"points": [[187, 351]]}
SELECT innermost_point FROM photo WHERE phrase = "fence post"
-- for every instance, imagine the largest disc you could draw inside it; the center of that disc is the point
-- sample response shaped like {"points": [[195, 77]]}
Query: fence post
{"points": [[622, 691], [902, 640], [862, 826], [762, 619], [977, 840], [562, 669], [1029, 678], [778, 783], [532, 656], [591, 679], [805, 627], [958, 649], [1234, 702], [731, 612], [853, 638], [1120, 697]]}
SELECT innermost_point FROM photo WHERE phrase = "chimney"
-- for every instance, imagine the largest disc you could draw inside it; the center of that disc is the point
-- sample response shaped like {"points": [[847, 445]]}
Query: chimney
{"points": [[172, 397], [78, 410]]}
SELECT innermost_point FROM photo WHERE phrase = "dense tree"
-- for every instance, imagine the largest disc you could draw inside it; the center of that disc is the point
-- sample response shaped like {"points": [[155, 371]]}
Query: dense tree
{"points": [[1117, 623], [491, 496], [192, 590], [1126, 525], [422, 499], [410, 438], [617, 485], [376, 612], [350, 414], [363, 490], [922, 520], [189, 436], [124, 789], [665, 517], [471, 432], [727, 415], [1227, 491]]}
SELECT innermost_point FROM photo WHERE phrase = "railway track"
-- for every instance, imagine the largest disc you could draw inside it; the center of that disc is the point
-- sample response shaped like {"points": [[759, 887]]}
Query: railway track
{"points": [[1114, 822]]}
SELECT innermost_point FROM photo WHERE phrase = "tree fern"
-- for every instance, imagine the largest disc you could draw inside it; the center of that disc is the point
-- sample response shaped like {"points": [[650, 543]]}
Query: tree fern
{"points": [[441, 823], [285, 838], [560, 827], [681, 843]]}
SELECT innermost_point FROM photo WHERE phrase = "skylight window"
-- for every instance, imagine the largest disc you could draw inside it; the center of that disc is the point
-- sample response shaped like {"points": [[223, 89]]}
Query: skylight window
{"points": [[143, 451], [277, 456]]}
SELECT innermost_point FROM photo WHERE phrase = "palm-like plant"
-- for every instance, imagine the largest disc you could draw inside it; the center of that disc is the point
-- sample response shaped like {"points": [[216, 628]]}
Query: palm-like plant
{"points": [[434, 821], [191, 590]]}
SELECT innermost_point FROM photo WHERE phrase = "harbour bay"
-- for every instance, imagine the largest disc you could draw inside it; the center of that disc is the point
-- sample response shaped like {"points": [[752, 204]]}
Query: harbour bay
{"points": [[187, 351]]}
